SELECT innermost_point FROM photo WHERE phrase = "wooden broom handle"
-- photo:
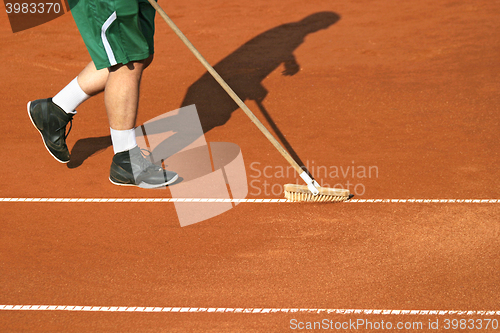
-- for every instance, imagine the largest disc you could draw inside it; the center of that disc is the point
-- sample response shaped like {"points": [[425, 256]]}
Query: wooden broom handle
{"points": [[226, 87]]}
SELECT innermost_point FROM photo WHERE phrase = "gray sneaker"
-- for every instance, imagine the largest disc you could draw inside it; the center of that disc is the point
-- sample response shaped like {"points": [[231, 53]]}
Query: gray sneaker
{"points": [[131, 168], [50, 120]]}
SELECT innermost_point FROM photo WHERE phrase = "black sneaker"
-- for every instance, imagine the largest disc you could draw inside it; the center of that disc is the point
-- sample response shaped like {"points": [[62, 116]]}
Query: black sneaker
{"points": [[50, 120], [131, 168]]}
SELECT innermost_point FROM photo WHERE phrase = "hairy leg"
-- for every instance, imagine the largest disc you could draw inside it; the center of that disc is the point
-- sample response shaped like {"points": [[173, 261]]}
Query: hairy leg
{"points": [[93, 81], [121, 95]]}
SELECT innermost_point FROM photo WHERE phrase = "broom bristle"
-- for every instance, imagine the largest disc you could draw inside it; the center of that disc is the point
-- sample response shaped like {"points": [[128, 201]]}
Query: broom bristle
{"points": [[301, 193]]}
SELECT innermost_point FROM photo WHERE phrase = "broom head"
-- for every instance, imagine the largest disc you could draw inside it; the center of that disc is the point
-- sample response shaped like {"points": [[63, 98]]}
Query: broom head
{"points": [[300, 193]]}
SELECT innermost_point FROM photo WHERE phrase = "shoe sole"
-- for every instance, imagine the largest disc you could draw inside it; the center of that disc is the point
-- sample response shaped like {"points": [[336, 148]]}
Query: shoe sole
{"points": [[146, 185], [31, 118]]}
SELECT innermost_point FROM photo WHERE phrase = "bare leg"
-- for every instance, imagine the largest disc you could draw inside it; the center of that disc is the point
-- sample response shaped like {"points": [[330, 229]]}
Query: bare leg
{"points": [[122, 95], [93, 81]]}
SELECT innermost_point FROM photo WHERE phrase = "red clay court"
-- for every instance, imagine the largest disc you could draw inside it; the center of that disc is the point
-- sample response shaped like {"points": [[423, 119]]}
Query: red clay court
{"points": [[406, 90]]}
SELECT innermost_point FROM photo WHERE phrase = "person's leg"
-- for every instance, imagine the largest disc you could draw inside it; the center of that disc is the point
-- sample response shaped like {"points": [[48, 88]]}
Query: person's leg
{"points": [[93, 81], [88, 83], [121, 98]]}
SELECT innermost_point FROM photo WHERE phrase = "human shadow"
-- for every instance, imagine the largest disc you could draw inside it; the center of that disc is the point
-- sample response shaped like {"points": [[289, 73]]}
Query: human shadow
{"points": [[243, 70], [84, 148], [246, 68]]}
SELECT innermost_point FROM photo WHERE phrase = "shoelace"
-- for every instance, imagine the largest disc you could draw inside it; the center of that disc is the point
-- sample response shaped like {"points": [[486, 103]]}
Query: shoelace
{"points": [[64, 126], [144, 162]]}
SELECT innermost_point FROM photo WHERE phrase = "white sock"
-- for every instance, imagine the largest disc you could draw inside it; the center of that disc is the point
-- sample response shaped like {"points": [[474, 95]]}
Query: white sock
{"points": [[123, 140], [70, 97]]}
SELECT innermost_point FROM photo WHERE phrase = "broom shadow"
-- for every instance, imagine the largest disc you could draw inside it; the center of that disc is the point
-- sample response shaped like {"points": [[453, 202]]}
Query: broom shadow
{"points": [[243, 70]]}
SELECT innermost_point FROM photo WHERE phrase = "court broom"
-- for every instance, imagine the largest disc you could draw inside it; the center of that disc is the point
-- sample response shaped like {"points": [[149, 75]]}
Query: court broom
{"points": [[312, 192]]}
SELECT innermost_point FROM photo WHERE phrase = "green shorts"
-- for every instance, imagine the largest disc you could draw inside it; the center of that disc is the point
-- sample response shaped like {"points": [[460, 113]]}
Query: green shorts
{"points": [[115, 31]]}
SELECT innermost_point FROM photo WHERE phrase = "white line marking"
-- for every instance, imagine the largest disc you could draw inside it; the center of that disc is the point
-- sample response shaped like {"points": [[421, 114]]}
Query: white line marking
{"points": [[475, 201], [138, 200], [215, 200], [244, 310]]}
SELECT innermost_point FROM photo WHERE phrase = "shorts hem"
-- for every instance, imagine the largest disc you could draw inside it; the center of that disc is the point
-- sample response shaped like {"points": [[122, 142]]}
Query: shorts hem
{"points": [[135, 57]]}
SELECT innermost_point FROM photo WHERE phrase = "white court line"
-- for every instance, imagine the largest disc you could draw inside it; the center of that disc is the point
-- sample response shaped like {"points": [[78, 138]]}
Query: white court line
{"points": [[424, 201], [142, 200], [212, 200], [243, 310]]}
